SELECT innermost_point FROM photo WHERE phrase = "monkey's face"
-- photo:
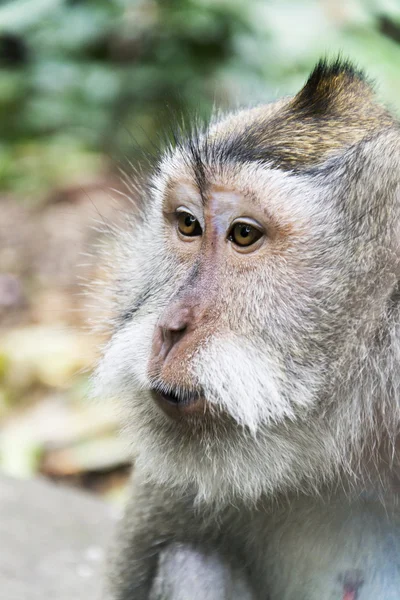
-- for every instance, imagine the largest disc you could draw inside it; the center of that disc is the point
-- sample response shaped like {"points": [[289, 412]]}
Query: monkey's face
{"points": [[241, 289], [247, 296]]}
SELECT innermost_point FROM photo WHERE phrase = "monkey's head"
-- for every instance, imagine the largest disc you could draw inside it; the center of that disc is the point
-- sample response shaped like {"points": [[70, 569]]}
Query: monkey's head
{"points": [[256, 332]]}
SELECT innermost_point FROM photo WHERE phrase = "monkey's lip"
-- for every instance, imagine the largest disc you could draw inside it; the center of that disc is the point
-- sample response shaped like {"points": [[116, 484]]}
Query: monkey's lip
{"points": [[180, 403]]}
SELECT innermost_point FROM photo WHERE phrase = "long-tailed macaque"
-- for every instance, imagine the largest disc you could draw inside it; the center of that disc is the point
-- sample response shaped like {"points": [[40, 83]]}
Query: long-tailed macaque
{"points": [[256, 350]]}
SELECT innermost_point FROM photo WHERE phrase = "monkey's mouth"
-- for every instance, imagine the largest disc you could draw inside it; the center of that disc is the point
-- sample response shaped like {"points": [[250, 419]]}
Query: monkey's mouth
{"points": [[179, 402]]}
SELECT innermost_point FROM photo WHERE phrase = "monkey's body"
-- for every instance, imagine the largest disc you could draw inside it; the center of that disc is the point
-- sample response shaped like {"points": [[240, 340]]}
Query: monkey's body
{"points": [[256, 350], [305, 549]]}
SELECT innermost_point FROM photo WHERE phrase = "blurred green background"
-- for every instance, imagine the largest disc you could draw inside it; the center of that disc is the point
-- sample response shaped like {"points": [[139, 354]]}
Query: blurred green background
{"points": [[85, 87]]}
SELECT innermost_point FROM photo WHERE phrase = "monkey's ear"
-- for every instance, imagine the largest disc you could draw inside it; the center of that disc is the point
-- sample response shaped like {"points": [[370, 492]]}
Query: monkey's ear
{"points": [[338, 91], [335, 109], [333, 89]]}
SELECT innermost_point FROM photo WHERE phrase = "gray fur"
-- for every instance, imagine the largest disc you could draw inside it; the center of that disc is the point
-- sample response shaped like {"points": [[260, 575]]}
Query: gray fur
{"points": [[293, 484]]}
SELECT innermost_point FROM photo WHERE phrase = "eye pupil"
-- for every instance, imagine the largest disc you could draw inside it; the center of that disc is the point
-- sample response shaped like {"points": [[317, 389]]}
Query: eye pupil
{"points": [[245, 231], [189, 220]]}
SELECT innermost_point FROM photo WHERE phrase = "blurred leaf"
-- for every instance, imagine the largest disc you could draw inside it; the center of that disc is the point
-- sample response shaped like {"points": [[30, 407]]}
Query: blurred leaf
{"points": [[16, 15]]}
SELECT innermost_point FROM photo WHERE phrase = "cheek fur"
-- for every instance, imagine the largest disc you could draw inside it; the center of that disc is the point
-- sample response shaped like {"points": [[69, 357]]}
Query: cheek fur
{"points": [[241, 381], [123, 368], [252, 383]]}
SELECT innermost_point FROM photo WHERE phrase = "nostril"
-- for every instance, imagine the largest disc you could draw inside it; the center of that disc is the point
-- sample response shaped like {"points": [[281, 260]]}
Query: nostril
{"points": [[177, 334], [171, 336]]}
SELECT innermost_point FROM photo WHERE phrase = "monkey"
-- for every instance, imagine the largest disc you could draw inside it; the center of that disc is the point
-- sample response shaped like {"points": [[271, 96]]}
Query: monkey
{"points": [[255, 351]]}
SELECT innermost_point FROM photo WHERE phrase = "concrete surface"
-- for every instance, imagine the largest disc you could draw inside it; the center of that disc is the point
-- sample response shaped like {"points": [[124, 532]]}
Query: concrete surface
{"points": [[53, 542]]}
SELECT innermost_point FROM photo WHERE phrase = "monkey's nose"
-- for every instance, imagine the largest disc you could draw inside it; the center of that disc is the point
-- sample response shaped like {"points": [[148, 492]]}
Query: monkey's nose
{"points": [[169, 333]]}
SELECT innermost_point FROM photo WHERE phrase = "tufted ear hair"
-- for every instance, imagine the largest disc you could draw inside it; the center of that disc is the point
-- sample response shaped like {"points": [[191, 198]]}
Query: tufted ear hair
{"points": [[335, 109], [336, 90]]}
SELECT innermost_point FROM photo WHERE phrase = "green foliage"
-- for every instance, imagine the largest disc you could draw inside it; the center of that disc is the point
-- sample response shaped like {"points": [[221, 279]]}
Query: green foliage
{"points": [[80, 78]]}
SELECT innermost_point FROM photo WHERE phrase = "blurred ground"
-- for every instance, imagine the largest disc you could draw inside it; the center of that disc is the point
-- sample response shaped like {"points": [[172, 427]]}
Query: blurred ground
{"points": [[46, 351], [83, 86]]}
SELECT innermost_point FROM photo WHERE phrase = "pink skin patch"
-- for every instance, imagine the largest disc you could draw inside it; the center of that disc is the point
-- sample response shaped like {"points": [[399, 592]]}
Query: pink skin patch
{"points": [[352, 581], [349, 594]]}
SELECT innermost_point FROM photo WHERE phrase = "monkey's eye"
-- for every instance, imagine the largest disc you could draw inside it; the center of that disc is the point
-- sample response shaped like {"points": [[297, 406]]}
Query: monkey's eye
{"points": [[243, 234], [188, 225]]}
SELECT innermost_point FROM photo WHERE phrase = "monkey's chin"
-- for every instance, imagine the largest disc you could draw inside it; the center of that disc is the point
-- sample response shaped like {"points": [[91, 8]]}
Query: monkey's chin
{"points": [[179, 404]]}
